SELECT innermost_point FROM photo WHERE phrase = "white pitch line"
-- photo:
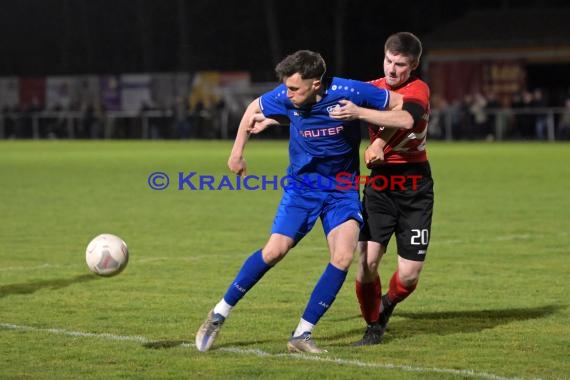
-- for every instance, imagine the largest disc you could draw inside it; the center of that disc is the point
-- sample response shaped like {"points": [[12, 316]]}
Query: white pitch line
{"points": [[260, 353], [57, 266], [31, 267], [139, 339], [359, 363]]}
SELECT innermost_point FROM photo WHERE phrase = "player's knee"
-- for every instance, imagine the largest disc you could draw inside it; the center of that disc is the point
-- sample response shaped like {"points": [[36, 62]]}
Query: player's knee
{"points": [[409, 272], [272, 255], [372, 267], [410, 279], [276, 249], [342, 260]]}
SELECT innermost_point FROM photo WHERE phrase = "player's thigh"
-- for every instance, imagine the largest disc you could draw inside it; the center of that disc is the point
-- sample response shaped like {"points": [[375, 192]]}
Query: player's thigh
{"points": [[339, 207], [413, 232], [380, 217], [297, 214]]}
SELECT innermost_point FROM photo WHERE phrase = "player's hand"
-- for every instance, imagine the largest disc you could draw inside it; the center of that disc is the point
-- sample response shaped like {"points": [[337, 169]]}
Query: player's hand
{"points": [[374, 155], [238, 166], [258, 123], [347, 111]]}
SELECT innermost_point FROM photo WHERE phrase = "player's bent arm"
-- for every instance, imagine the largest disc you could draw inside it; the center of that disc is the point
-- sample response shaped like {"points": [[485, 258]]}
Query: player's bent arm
{"points": [[389, 119], [374, 153], [414, 110], [395, 117], [259, 122], [236, 162]]}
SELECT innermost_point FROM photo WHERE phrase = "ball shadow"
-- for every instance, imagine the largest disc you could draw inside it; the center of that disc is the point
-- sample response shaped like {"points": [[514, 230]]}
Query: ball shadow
{"points": [[32, 287]]}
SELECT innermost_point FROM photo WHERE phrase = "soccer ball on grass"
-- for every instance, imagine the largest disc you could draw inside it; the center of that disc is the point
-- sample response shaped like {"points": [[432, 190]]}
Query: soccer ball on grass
{"points": [[107, 255]]}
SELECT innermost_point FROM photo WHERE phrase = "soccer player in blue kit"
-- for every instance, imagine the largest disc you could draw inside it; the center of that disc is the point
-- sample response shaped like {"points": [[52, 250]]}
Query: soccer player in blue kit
{"points": [[320, 148]]}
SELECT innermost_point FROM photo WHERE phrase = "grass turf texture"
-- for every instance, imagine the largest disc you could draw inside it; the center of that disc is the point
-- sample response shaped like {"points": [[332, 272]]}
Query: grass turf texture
{"points": [[492, 302]]}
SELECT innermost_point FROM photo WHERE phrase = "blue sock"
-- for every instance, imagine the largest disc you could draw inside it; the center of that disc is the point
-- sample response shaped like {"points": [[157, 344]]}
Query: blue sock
{"points": [[324, 293], [252, 270]]}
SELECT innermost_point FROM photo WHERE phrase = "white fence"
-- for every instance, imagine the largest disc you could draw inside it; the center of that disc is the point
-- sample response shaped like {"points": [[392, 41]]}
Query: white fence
{"points": [[500, 124]]}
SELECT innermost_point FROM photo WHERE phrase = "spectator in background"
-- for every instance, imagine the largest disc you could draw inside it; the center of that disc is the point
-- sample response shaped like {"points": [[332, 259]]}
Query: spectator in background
{"points": [[493, 105], [464, 118], [524, 120], [87, 121], [438, 120], [538, 101], [30, 111], [57, 126], [564, 123], [199, 116], [479, 114], [181, 112], [12, 121], [153, 130]]}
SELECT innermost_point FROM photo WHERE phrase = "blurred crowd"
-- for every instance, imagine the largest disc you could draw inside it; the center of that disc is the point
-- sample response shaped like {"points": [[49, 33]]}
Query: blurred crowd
{"points": [[523, 116], [90, 120]]}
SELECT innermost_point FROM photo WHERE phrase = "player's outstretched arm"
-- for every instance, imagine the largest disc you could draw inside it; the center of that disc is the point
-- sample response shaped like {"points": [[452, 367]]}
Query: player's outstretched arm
{"points": [[395, 117], [236, 162]]}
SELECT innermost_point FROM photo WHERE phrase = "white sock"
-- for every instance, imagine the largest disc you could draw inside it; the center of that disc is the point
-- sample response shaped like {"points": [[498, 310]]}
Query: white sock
{"points": [[223, 308], [302, 327]]}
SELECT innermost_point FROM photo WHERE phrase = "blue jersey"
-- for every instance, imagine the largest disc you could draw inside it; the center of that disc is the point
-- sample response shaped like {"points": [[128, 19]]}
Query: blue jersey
{"points": [[320, 146]]}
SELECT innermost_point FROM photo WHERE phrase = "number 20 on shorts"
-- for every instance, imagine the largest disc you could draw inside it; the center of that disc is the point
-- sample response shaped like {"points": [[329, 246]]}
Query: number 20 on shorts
{"points": [[419, 237]]}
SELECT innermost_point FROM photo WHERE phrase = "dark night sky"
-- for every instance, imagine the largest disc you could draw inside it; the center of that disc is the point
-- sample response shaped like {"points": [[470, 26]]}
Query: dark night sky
{"points": [[54, 37]]}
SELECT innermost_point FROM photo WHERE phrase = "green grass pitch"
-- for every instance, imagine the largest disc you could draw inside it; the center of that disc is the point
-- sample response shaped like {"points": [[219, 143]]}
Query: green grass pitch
{"points": [[492, 302]]}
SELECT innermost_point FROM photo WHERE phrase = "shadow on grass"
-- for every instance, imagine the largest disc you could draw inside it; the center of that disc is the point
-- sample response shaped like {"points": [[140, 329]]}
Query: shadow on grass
{"points": [[406, 325], [163, 344], [34, 286], [166, 344], [246, 343], [452, 322]]}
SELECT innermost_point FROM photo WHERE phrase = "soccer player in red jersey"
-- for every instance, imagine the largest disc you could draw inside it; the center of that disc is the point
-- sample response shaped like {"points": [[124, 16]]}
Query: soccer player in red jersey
{"points": [[395, 150]]}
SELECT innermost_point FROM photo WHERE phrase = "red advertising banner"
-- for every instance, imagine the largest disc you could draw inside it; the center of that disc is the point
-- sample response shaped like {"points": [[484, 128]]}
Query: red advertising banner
{"points": [[32, 92], [453, 80]]}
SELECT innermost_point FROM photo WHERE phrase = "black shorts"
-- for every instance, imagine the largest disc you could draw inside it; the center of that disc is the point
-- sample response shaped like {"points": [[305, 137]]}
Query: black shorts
{"points": [[399, 200]]}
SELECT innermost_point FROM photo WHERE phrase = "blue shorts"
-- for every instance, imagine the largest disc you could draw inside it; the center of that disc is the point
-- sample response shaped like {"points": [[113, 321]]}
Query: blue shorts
{"points": [[299, 210]]}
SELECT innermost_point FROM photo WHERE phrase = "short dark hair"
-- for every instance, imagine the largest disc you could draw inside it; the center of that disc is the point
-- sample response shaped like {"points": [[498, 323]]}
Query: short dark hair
{"points": [[309, 64], [404, 43]]}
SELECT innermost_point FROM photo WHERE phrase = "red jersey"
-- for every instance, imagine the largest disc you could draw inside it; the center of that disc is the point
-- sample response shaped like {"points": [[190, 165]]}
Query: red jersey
{"points": [[406, 146]]}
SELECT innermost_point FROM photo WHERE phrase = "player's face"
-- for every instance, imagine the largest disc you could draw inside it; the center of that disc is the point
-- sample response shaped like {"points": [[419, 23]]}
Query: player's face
{"points": [[397, 68], [301, 91]]}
